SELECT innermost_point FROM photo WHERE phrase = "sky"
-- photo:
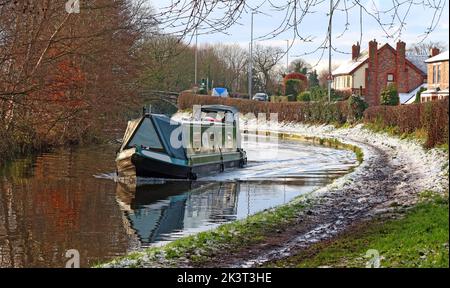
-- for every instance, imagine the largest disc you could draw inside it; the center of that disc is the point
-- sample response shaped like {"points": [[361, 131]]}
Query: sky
{"points": [[315, 25]]}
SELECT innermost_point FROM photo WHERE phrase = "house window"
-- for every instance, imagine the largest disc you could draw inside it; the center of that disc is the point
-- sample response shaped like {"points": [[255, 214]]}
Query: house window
{"points": [[349, 81], [434, 74], [390, 78], [438, 73]]}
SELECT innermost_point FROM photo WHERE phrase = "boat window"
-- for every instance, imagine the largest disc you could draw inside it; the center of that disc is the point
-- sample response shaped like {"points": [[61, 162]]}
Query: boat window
{"points": [[219, 117], [229, 142], [146, 136], [229, 117]]}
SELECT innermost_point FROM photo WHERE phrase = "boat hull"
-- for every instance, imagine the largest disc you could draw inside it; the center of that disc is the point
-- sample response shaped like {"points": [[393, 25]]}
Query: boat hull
{"points": [[153, 168], [137, 165]]}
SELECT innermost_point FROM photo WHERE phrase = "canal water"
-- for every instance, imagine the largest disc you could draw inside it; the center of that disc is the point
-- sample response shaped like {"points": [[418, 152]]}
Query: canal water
{"points": [[68, 199]]}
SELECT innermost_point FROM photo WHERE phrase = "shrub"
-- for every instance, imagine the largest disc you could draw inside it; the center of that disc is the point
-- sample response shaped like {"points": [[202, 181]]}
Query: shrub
{"points": [[389, 96], [419, 93], [203, 91], [304, 96], [296, 76], [292, 98], [338, 95], [293, 87], [318, 93], [356, 107], [321, 94]]}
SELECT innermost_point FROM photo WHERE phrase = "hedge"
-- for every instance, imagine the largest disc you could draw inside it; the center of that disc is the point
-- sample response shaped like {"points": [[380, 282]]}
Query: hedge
{"points": [[307, 112], [430, 116]]}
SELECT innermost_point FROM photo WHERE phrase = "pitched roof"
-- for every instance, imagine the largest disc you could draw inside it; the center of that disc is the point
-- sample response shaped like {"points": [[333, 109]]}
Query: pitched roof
{"points": [[351, 65], [409, 98], [418, 61], [438, 58]]}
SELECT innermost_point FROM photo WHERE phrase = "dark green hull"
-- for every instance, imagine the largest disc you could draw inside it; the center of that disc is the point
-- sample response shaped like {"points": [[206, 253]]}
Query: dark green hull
{"points": [[143, 166]]}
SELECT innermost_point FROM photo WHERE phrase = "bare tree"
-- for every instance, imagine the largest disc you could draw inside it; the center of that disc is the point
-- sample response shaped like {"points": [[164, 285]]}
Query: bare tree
{"points": [[425, 47], [265, 59], [185, 18], [299, 66], [323, 76], [236, 60]]}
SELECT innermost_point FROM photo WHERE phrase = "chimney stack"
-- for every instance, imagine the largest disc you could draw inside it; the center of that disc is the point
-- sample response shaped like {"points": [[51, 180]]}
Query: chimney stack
{"points": [[434, 51], [373, 49], [401, 54], [356, 50], [402, 74], [372, 93]]}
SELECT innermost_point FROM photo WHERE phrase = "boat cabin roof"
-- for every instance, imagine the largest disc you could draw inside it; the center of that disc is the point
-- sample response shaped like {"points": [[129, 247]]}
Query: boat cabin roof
{"points": [[153, 131], [219, 108]]}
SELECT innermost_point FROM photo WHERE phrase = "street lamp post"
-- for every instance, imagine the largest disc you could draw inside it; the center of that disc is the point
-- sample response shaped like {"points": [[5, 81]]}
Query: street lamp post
{"points": [[250, 68], [287, 57], [196, 58], [329, 51]]}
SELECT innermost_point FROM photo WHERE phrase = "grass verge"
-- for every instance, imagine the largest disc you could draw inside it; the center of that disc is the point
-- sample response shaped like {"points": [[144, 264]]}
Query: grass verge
{"points": [[419, 239], [419, 135], [202, 246], [332, 143]]}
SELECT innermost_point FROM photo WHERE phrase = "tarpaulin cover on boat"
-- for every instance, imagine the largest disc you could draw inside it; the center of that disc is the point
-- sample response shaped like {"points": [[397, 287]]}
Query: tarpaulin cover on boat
{"points": [[132, 125], [165, 128]]}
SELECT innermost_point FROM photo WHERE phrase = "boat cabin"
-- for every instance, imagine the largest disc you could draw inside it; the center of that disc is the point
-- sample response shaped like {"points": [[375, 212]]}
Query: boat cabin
{"points": [[158, 147]]}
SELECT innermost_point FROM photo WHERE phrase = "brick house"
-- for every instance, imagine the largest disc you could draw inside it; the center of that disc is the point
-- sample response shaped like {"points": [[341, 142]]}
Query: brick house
{"points": [[437, 77], [372, 70]]}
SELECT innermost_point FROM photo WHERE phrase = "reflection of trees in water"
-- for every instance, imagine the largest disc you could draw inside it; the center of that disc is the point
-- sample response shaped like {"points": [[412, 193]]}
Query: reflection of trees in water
{"points": [[156, 211], [42, 216]]}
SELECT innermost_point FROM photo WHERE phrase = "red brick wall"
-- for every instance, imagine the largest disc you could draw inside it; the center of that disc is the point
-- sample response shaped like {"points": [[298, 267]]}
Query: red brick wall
{"points": [[372, 75], [402, 71], [389, 61], [387, 64], [415, 79]]}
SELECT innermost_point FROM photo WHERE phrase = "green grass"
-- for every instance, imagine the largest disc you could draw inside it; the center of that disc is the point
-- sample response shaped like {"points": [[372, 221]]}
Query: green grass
{"points": [[228, 237], [418, 135], [333, 143], [419, 239], [443, 147]]}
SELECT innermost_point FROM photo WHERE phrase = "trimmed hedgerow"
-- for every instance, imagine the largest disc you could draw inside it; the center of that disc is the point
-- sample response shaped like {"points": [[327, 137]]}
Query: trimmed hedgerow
{"points": [[431, 117], [307, 112]]}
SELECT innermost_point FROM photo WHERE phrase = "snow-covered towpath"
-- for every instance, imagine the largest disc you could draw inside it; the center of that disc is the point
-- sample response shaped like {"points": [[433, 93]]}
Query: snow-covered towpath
{"points": [[393, 174]]}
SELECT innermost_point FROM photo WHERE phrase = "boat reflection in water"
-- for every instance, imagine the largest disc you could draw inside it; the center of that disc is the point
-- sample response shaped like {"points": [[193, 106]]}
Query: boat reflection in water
{"points": [[161, 212]]}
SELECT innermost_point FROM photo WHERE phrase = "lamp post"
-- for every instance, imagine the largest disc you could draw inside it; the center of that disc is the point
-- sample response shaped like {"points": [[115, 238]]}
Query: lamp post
{"points": [[287, 57], [330, 80], [196, 58], [250, 67]]}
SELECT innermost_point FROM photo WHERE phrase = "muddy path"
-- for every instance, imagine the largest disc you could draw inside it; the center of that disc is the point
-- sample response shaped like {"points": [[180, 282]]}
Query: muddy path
{"points": [[388, 181], [333, 213]]}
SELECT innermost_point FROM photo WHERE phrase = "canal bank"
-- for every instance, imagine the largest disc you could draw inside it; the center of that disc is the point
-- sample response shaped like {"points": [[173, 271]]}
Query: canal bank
{"points": [[390, 180]]}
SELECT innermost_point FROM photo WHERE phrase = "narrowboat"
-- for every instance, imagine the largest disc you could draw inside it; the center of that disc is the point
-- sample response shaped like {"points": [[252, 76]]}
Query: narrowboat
{"points": [[155, 146]]}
